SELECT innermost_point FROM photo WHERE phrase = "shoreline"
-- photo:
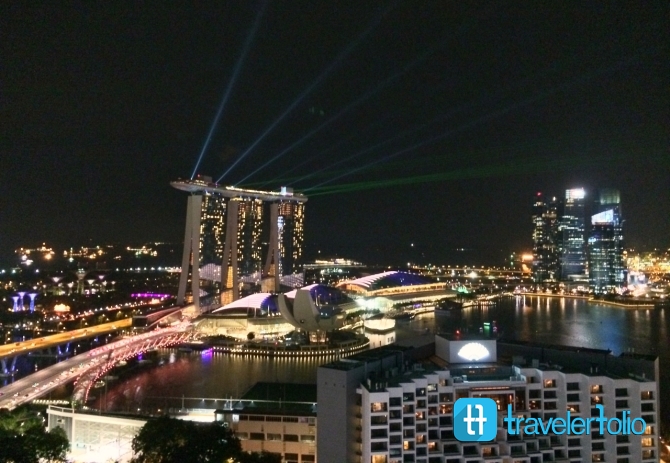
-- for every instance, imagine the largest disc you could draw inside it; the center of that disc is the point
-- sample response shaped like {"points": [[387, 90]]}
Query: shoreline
{"points": [[591, 300]]}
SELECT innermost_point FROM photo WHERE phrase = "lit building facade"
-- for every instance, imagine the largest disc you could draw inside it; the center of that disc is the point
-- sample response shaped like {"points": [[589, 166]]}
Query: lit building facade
{"points": [[212, 234], [224, 239], [607, 269], [571, 235], [249, 233], [291, 229], [545, 237], [393, 405]]}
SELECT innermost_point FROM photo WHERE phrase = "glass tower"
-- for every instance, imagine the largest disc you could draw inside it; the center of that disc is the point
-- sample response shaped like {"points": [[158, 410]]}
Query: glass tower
{"points": [[545, 231], [571, 231], [606, 260]]}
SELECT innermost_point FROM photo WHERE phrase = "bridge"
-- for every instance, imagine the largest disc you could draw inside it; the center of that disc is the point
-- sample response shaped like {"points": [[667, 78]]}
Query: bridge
{"points": [[152, 319], [106, 357], [51, 345], [88, 367]]}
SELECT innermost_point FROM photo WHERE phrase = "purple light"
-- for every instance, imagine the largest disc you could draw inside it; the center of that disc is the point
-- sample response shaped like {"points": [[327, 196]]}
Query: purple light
{"points": [[150, 295], [32, 301], [21, 294]]}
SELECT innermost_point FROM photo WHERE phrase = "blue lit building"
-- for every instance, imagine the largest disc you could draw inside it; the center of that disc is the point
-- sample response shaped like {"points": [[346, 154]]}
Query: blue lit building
{"points": [[571, 235], [606, 252], [545, 237]]}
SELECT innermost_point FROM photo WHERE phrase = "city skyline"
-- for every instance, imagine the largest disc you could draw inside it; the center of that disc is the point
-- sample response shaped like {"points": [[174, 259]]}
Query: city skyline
{"points": [[421, 129]]}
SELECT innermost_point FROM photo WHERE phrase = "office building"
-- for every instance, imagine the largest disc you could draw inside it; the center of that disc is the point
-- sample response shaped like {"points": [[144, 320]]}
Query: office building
{"points": [[571, 235], [607, 271], [545, 237], [395, 404]]}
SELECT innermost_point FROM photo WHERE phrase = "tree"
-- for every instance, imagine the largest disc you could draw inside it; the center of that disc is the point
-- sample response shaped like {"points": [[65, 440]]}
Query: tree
{"points": [[23, 439], [167, 440]]}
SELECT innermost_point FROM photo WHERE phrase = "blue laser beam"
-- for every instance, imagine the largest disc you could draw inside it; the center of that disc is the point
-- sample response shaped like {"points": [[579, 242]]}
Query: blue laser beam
{"points": [[387, 141], [492, 115], [332, 147], [231, 84], [338, 59], [546, 71], [366, 96]]}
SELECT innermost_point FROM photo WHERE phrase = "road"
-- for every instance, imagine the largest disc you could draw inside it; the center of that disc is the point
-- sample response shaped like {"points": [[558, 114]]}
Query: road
{"points": [[83, 366], [10, 350], [43, 381]]}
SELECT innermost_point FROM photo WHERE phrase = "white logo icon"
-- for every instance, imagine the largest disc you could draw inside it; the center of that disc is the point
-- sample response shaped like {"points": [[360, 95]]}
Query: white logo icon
{"points": [[481, 419]]}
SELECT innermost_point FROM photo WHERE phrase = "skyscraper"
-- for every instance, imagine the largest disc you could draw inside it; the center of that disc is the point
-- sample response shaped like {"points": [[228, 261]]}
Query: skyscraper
{"points": [[571, 235], [606, 261], [212, 234], [224, 238], [249, 232], [291, 216], [545, 249]]}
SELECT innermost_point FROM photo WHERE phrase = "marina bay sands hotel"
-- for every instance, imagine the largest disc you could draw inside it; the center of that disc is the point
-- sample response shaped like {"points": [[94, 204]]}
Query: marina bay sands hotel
{"points": [[235, 236]]}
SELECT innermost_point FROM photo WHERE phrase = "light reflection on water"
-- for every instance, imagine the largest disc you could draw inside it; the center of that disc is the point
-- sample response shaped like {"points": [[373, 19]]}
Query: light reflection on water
{"points": [[571, 322]]}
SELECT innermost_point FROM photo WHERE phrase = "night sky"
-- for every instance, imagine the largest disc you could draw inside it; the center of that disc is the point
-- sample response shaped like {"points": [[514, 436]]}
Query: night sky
{"points": [[432, 123]]}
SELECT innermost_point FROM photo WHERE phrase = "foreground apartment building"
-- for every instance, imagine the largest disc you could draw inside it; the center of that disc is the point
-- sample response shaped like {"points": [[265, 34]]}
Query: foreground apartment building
{"points": [[395, 404]]}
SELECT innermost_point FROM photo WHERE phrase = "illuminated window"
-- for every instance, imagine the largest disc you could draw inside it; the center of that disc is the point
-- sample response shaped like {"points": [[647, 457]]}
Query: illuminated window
{"points": [[446, 409], [378, 407], [549, 383], [647, 442], [647, 395]]}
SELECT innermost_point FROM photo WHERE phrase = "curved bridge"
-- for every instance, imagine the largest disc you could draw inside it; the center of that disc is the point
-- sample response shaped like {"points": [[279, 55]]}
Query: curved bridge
{"points": [[104, 358]]}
